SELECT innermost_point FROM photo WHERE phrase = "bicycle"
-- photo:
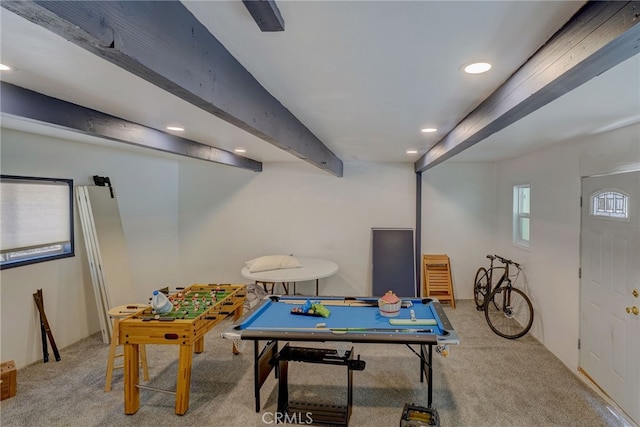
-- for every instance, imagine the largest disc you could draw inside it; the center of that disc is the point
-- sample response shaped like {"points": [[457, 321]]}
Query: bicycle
{"points": [[508, 310], [483, 283]]}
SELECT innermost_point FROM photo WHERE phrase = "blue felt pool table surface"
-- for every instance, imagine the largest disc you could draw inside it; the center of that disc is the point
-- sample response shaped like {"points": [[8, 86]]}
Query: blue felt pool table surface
{"points": [[359, 316]]}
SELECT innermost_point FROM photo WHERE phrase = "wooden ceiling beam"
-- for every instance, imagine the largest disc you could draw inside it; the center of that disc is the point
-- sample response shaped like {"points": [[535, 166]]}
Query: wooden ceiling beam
{"points": [[597, 38], [23, 103], [266, 14], [163, 43]]}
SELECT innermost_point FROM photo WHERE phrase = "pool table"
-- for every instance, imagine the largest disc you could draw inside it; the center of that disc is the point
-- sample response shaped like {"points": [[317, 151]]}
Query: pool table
{"points": [[351, 320]]}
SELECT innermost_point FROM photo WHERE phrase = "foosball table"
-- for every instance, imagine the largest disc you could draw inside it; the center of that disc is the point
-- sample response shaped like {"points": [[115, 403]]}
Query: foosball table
{"points": [[196, 310]]}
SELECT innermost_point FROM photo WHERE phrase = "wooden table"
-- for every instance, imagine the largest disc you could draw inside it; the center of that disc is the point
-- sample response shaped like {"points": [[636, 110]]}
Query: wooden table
{"points": [[176, 328], [311, 269]]}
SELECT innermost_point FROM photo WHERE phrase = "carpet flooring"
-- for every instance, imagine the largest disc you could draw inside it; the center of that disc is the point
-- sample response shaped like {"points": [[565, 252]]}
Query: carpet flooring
{"points": [[484, 381]]}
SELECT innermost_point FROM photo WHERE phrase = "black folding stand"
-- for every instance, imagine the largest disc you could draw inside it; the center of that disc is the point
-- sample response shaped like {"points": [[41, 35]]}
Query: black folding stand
{"points": [[319, 413]]}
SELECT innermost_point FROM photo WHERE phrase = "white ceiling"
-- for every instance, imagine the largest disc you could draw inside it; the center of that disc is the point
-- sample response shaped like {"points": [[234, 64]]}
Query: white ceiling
{"points": [[363, 76]]}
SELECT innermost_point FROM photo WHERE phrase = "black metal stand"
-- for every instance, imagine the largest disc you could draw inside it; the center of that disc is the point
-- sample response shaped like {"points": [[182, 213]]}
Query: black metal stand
{"points": [[316, 413], [263, 364]]}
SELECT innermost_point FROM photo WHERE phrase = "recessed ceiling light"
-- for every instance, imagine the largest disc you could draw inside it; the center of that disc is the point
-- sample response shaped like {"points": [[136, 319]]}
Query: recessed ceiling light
{"points": [[175, 128], [240, 150], [4, 67], [428, 130], [477, 68], [412, 151]]}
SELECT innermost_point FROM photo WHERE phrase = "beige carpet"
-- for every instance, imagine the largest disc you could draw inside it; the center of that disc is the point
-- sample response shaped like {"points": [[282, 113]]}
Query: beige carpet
{"points": [[485, 381]]}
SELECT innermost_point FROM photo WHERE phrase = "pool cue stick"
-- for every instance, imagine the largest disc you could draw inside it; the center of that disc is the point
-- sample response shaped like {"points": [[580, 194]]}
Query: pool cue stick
{"points": [[345, 330], [413, 322], [47, 328], [40, 303], [45, 346], [345, 303], [332, 302], [409, 330], [43, 334]]}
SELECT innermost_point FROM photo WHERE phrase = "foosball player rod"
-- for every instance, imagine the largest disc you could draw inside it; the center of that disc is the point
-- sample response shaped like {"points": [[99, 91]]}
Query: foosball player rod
{"points": [[40, 304]]}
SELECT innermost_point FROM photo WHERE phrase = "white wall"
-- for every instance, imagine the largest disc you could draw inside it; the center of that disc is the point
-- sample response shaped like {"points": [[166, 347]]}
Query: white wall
{"points": [[552, 261], [146, 185], [467, 213], [228, 217], [188, 221], [459, 218]]}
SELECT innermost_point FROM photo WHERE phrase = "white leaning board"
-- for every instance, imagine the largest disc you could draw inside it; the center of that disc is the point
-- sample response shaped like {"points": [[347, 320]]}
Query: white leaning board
{"points": [[106, 250], [88, 232]]}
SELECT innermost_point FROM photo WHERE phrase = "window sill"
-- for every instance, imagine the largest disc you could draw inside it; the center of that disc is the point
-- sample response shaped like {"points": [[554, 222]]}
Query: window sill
{"points": [[526, 248]]}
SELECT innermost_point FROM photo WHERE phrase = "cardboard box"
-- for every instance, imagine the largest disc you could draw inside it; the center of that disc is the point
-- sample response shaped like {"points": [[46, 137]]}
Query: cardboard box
{"points": [[8, 386]]}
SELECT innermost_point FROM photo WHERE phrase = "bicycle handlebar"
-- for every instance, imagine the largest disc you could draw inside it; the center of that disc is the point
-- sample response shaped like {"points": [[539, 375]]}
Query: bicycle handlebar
{"points": [[506, 261]]}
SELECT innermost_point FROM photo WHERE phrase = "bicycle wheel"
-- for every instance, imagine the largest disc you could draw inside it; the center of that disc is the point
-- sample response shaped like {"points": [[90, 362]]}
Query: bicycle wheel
{"points": [[481, 287], [509, 312]]}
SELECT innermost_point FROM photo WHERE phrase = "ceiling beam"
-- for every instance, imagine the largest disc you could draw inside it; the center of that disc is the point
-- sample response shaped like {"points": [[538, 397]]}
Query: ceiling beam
{"points": [[598, 37], [19, 102], [163, 43], [266, 14]]}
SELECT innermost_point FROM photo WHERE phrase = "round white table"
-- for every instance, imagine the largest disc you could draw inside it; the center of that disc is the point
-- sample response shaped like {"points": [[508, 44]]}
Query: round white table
{"points": [[311, 269]]}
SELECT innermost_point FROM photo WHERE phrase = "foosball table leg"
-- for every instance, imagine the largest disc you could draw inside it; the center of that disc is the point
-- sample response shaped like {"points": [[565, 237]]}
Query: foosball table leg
{"points": [[183, 384], [198, 346], [131, 379]]}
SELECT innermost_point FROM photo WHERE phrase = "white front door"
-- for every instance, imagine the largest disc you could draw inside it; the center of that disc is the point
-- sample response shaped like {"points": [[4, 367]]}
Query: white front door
{"points": [[610, 287]]}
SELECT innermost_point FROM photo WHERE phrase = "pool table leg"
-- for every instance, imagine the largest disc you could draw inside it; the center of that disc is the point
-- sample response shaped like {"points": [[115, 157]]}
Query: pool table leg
{"points": [[131, 379], [262, 366], [422, 356], [256, 375], [184, 378], [426, 369], [430, 379], [283, 386]]}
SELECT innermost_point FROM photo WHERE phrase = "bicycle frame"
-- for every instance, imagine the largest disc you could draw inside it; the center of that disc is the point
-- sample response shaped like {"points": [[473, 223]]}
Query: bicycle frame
{"points": [[483, 283], [490, 273], [508, 310], [503, 278]]}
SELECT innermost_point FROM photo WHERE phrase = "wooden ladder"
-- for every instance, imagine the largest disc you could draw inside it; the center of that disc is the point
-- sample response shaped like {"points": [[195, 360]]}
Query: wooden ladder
{"points": [[437, 278]]}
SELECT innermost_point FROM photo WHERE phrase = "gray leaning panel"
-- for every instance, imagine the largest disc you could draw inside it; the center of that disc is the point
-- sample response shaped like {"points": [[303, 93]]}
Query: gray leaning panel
{"points": [[393, 265]]}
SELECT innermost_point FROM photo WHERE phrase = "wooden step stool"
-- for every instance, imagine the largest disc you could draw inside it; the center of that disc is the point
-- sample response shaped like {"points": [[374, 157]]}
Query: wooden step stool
{"points": [[116, 314], [437, 278], [8, 381]]}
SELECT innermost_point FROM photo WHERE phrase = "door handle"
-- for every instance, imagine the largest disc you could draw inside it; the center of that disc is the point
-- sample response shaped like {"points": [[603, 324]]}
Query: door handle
{"points": [[633, 310]]}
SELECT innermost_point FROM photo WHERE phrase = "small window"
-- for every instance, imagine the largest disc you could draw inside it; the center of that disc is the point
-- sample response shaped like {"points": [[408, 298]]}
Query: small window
{"points": [[522, 215], [609, 203], [36, 220]]}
